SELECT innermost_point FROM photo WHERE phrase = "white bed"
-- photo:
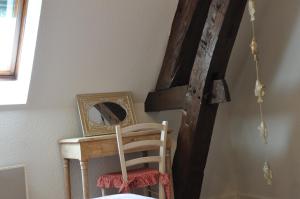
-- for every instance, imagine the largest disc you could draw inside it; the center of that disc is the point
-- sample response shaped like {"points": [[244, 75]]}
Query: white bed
{"points": [[124, 196]]}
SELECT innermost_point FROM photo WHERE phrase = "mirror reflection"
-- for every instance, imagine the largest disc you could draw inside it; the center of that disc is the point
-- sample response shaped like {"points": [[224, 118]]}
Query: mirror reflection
{"points": [[107, 113]]}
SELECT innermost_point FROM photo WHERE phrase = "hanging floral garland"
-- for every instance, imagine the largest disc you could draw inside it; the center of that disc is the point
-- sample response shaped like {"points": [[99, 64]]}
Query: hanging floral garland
{"points": [[259, 91]]}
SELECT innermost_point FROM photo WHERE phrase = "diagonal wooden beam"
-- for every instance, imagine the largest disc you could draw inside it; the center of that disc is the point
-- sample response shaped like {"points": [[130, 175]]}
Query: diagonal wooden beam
{"points": [[107, 114], [198, 119], [185, 35]]}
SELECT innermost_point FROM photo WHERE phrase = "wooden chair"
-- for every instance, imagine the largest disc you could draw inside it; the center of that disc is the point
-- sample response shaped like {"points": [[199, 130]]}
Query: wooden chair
{"points": [[124, 196], [138, 178]]}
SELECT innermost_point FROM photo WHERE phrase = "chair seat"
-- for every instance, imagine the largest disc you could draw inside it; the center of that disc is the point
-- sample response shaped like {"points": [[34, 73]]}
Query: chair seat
{"points": [[137, 178], [124, 196]]}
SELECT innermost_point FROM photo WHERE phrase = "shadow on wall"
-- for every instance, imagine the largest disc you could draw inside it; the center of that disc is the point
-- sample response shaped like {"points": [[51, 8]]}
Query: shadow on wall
{"points": [[279, 43]]}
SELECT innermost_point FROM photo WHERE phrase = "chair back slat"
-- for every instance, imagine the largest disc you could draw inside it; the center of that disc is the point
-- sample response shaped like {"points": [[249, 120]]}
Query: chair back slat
{"points": [[143, 160], [143, 143], [142, 126], [160, 144]]}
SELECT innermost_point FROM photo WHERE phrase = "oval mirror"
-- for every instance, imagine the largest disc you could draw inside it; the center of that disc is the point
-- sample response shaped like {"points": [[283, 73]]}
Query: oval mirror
{"points": [[107, 113]]}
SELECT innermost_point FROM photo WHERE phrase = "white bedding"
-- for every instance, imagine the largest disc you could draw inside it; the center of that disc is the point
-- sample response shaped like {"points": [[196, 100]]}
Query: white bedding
{"points": [[124, 196]]}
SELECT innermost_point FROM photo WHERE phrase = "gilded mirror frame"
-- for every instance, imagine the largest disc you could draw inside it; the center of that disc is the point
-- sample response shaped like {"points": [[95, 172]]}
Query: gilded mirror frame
{"points": [[87, 101]]}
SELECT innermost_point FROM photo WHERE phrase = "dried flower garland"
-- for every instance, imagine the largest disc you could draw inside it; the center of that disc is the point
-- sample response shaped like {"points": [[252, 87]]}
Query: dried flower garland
{"points": [[259, 90]]}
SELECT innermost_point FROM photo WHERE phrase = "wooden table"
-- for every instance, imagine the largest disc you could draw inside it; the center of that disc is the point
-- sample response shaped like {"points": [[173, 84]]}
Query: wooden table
{"points": [[86, 148]]}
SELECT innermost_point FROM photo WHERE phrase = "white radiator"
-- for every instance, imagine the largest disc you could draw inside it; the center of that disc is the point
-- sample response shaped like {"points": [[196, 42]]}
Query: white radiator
{"points": [[13, 183]]}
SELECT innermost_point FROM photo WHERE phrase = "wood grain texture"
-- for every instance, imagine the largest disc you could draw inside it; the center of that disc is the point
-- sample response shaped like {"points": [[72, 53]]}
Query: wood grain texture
{"points": [[211, 61], [174, 98], [169, 99], [169, 170], [189, 20], [107, 113], [220, 92]]}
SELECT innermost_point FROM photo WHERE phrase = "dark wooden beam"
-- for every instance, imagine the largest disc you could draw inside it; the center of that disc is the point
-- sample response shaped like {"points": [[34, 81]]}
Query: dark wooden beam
{"points": [[220, 92], [110, 117], [174, 98], [184, 38], [169, 99], [198, 119]]}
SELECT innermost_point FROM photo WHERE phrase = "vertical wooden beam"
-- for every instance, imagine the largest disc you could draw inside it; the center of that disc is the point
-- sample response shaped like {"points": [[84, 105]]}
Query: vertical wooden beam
{"points": [[185, 35], [194, 138]]}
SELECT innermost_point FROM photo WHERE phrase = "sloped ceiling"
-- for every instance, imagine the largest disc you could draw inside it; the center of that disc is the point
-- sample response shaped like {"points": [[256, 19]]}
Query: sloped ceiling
{"points": [[105, 46], [99, 46]]}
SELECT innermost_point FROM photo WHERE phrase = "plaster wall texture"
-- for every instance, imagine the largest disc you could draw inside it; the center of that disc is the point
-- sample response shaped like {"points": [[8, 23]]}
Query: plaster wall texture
{"points": [[278, 39]]}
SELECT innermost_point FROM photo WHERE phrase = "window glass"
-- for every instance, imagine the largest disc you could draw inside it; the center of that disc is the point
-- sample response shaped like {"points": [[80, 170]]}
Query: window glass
{"points": [[10, 25], [16, 91]]}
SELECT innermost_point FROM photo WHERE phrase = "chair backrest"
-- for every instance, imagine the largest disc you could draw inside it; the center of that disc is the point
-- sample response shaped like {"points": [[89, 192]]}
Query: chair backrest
{"points": [[160, 144]]}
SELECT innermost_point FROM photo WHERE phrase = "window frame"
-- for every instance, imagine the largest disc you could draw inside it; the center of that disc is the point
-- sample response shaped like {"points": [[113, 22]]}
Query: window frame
{"points": [[20, 27], [16, 92]]}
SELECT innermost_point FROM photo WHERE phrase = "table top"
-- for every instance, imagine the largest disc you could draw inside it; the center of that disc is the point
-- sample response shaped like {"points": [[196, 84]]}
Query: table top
{"points": [[108, 137]]}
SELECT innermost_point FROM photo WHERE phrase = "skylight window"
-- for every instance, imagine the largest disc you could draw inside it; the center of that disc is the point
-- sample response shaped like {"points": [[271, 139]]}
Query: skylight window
{"points": [[17, 48], [12, 14]]}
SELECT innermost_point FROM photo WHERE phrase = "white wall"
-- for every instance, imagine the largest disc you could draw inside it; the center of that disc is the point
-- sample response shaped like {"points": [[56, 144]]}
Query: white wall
{"points": [[279, 43], [82, 47], [220, 180], [95, 46]]}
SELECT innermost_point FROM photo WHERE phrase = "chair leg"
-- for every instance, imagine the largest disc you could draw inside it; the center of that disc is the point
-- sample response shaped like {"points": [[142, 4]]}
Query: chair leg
{"points": [[103, 191], [161, 192], [147, 191]]}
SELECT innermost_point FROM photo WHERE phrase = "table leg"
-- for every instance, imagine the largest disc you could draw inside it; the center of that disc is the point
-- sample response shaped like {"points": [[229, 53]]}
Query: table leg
{"points": [[67, 178], [84, 177], [169, 170]]}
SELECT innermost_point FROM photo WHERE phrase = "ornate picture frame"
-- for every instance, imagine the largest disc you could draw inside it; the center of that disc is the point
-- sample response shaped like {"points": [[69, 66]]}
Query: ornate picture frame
{"points": [[86, 102]]}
